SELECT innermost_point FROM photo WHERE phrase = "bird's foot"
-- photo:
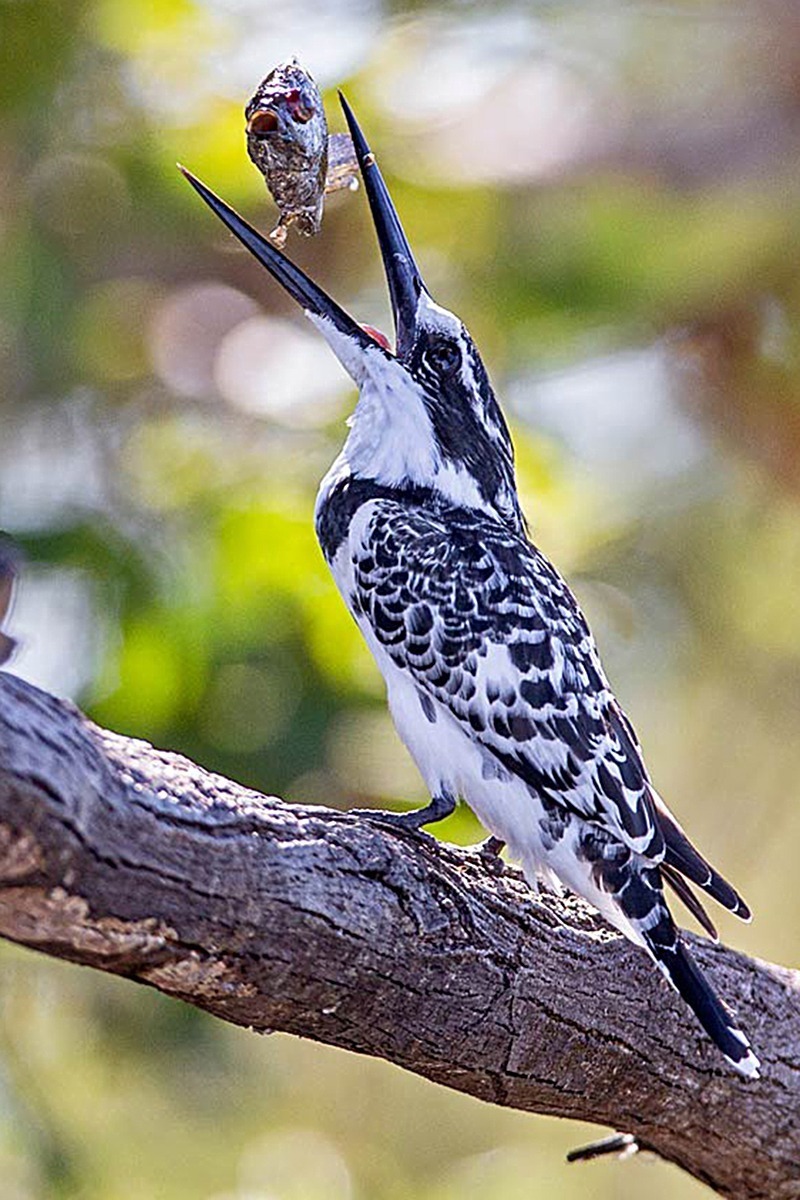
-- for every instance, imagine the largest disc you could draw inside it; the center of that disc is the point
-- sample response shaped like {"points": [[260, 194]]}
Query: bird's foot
{"points": [[488, 854], [406, 822], [410, 822]]}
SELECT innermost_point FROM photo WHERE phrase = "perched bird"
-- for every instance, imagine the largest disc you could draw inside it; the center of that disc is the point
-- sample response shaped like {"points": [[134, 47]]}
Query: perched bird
{"points": [[493, 678]]}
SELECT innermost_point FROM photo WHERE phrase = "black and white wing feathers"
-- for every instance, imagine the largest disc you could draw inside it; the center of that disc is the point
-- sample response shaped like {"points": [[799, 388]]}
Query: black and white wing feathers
{"points": [[487, 627]]}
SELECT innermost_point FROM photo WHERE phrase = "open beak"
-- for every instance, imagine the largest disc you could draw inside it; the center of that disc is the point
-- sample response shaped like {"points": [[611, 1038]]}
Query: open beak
{"points": [[402, 274], [314, 301]]}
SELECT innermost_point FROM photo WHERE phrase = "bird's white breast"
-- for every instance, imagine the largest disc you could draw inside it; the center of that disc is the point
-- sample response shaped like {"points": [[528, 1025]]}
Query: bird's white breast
{"points": [[447, 758]]}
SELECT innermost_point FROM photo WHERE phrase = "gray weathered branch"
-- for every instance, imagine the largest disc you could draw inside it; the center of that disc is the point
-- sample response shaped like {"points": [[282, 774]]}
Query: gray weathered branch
{"points": [[320, 923]]}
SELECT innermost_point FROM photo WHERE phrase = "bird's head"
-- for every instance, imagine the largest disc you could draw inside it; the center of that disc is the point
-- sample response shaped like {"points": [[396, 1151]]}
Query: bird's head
{"points": [[427, 415]]}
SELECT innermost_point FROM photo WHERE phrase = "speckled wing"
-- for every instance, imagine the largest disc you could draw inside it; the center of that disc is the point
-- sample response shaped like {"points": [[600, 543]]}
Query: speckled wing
{"points": [[488, 628]]}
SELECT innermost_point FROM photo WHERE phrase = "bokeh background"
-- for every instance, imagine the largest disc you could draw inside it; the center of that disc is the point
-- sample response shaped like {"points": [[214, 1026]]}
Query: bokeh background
{"points": [[608, 193]]}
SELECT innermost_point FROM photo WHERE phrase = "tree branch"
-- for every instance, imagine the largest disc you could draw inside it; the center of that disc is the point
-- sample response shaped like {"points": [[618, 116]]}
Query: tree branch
{"points": [[323, 924]]}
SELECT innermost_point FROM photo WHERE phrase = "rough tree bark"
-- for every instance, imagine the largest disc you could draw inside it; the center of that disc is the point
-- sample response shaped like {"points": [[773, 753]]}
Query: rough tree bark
{"points": [[320, 923]]}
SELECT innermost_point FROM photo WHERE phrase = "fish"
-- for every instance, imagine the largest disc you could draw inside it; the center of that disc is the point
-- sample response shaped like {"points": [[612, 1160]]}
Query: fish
{"points": [[288, 141]]}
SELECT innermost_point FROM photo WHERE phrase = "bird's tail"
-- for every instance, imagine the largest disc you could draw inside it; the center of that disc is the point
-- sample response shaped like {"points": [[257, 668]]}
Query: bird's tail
{"points": [[681, 856], [676, 963]]}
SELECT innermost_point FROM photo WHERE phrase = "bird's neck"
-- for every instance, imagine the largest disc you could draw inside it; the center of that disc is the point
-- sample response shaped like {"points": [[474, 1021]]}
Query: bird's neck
{"points": [[391, 438], [341, 495], [393, 442], [394, 450], [343, 491]]}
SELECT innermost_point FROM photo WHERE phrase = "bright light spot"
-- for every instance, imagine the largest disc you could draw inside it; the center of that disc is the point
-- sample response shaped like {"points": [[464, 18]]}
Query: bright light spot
{"points": [[275, 368], [57, 631], [186, 333], [549, 118], [615, 413], [437, 66], [331, 40], [294, 1164], [488, 100], [53, 463]]}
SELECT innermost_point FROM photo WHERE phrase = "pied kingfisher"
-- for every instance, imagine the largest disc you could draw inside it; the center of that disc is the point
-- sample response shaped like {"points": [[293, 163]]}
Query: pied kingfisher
{"points": [[493, 678]]}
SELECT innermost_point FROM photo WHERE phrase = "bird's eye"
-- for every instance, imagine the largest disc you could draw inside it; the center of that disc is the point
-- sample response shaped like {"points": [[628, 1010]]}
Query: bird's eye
{"points": [[444, 357]]}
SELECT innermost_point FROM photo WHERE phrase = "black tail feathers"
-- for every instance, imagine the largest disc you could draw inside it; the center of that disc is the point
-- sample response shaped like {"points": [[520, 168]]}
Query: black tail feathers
{"points": [[681, 855], [675, 961], [682, 890]]}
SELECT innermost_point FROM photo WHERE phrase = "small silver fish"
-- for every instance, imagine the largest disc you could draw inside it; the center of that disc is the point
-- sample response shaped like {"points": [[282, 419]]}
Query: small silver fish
{"points": [[287, 139]]}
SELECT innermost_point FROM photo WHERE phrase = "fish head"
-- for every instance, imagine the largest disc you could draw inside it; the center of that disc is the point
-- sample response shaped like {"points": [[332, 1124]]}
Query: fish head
{"points": [[285, 116]]}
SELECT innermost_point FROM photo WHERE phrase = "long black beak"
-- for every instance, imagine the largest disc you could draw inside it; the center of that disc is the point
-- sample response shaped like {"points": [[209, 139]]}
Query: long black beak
{"points": [[403, 277], [402, 273], [307, 294]]}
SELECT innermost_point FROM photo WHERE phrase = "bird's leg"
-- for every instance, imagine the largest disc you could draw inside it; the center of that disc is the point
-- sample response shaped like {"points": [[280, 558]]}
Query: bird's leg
{"points": [[440, 807], [488, 854]]}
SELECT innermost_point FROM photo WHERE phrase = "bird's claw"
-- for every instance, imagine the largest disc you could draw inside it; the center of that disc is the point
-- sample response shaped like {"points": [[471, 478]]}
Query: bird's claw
{"points": [[488, 854]]}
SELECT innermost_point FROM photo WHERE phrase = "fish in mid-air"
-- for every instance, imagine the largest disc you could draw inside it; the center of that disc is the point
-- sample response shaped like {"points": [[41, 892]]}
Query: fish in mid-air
{"points": [[288, 140]]}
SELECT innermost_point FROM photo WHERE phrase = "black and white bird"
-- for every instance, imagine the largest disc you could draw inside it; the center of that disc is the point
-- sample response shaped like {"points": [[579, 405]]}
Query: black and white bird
{"points": [[493, 678]]}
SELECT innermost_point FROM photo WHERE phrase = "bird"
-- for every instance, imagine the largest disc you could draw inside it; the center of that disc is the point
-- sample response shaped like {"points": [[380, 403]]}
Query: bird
{"points": [[493, 678], [9, 570]]}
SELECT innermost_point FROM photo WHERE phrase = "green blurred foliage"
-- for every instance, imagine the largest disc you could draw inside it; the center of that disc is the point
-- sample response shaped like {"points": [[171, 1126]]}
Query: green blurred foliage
{"points": [[608, 195]]}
